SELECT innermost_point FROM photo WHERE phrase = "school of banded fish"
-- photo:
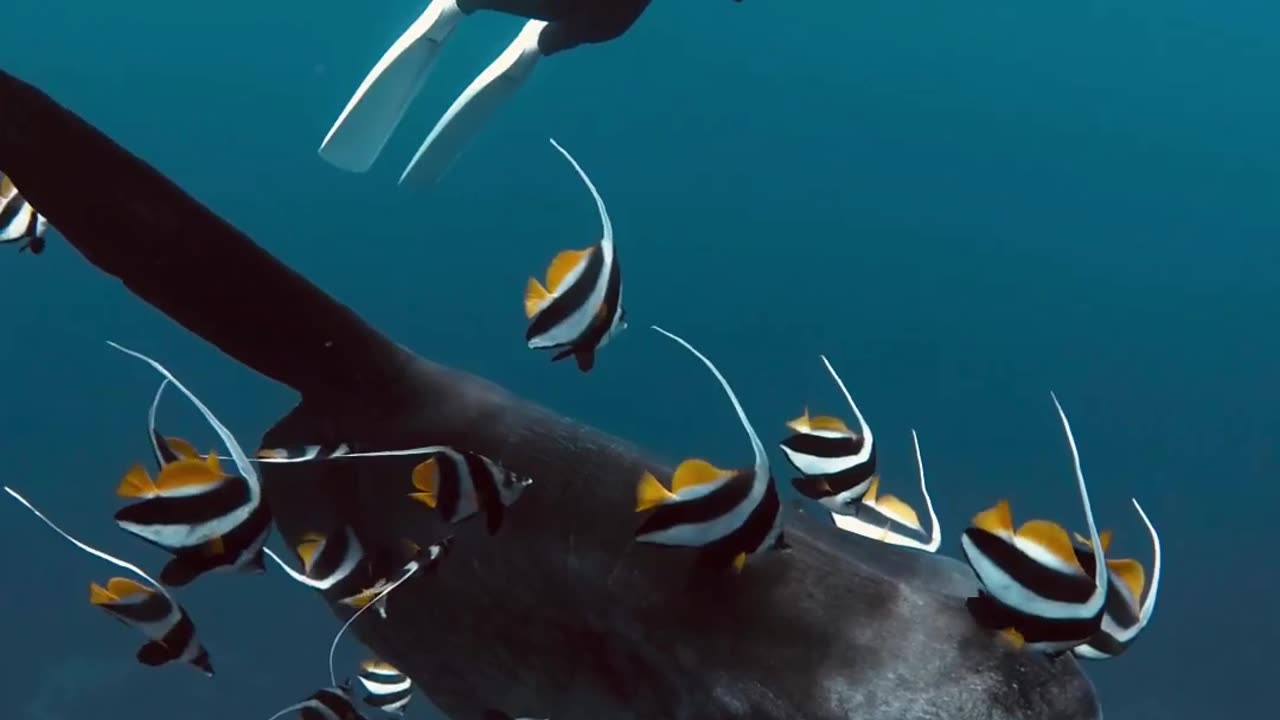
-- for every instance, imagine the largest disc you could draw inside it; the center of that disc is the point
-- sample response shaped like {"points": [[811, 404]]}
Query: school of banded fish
{"points": [[1042, 588]]}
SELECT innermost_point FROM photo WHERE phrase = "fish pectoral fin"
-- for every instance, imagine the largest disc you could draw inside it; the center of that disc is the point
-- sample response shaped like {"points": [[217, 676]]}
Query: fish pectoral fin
{"points": [[215, 547], [137, 483], [563, 265], [997, 520], [181, 448], [426, 478], [1050, 537], [739, 562], [1014, 637], [1131, 574], [307, 551], [693, 472], [536, 297], [155, 653], [650, 493]]}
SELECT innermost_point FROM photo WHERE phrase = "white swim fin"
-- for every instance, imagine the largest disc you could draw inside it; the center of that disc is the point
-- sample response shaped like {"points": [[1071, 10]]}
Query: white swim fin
{"points": [[372, 114], [474, 106]]}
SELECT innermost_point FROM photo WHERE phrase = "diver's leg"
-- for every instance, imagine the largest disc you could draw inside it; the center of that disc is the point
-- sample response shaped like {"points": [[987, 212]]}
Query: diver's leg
{"points": [[372, 114], [477, 103], [548, 10], [598, 23]]}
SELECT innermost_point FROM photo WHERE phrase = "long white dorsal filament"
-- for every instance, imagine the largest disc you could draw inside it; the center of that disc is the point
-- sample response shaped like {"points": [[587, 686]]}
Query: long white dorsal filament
{"points": [[935, 535], [868, 442], [605, 223], [334, 645], [1100, 562], [761, 458], [1149, 603]]}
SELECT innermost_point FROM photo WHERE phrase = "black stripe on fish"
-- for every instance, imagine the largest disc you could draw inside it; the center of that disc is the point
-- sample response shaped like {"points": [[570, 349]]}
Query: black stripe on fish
{"points": [[1121, 612], [171, 631], [205, 507], [570, 300], [339, 555], [464, 483], [486, 477], [1045, 582], [584, 348], [241, 550], [1056, 636], [851, 482], [700, 510], [750, 537]]}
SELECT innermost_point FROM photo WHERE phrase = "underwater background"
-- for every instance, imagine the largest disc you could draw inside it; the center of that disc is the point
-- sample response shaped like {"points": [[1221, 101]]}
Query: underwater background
{"points": [[963, 205]]}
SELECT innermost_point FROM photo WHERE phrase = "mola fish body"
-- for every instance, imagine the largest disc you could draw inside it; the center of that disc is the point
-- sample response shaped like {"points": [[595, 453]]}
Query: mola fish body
{"points": [[561, 614]]}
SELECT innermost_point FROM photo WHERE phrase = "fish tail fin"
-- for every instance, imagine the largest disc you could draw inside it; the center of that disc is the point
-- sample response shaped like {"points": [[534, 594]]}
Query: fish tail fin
{"points": [[380, 102]]}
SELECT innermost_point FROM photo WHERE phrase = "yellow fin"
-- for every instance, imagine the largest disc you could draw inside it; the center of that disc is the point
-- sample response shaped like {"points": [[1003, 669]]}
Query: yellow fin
{"points": [[137, 484], [183, 448], [535, 296], [124, 587], [562, 265], [425, 478], [1014, 637], [997, 519], [188, 473], [211, 460], [800, 424], [650, 493], [411, 548], [1051, 537], [693, 472], [899, 510], [99, 595], [1104, 539], [1132, 574], [869, 497], [307, 550], [366, 596], [378, 666], [739, 562], [827, 422], [6, 186]]}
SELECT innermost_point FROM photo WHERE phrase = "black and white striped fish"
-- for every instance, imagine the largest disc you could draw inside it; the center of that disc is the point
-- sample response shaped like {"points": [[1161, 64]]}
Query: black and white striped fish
{"points": [[580, 308], [836, 463], [208, 520], [149, 609], [417, 560], [154, 614], [331, 703], [458, 484], [327, 560], [1124, 618], [1033, 589], [730, 514], [19, 221], [386, 688], [889, 520]]}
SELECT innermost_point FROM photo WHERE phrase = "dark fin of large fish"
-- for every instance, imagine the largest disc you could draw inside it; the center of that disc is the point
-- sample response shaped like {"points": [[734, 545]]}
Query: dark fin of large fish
{"points": [[836, 612], [134, 223]]}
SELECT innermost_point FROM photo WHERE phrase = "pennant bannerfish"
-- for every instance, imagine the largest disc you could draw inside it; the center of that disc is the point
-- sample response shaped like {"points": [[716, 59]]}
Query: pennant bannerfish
{"points": [[208, 520], [424, 560], [889, 520], [580, 308], [836, 463], [150, 610], [1033, 589], [386, 688], [730, 514], [19, 222], [327, 560], [1124, 618], [331, 703], [458, 484]]}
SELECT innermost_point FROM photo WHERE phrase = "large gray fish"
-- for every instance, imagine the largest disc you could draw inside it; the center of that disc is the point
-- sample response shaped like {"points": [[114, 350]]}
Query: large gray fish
{"points": [[558, 614]]}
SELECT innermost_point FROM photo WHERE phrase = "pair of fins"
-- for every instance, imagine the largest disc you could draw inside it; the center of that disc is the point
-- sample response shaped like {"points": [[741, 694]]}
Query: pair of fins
{"points": [[375, 110]]}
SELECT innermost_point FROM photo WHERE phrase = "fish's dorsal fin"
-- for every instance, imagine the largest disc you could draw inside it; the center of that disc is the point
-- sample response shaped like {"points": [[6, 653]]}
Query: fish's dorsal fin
{"points": [[90, 549], [536, 297], [997, 520], [372, 602], [1050, 537], [1101, 578], [426, 478], [243, 465], [188, 473], [868, 441], [151, 424], [122, 588], [308, 549], [650, 493], [606, 225], [693, 472], [1131, 574], [900, 511], [1149, 603], [185, 449], [761, 458], [562, 265], [830, 423], [800, 424]]}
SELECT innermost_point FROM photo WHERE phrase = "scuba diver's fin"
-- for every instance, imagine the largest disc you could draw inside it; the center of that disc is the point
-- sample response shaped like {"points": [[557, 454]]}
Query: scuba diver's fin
{"points": [[482, 98], [373, 112]]}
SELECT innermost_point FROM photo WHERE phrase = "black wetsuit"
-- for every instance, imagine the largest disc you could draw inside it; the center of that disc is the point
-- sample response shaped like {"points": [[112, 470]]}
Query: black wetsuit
{"points": [[571, 22]]}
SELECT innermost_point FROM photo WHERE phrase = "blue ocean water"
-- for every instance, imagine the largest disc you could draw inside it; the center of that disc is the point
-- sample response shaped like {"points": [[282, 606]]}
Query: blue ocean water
{"points": [[964, 206]]}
